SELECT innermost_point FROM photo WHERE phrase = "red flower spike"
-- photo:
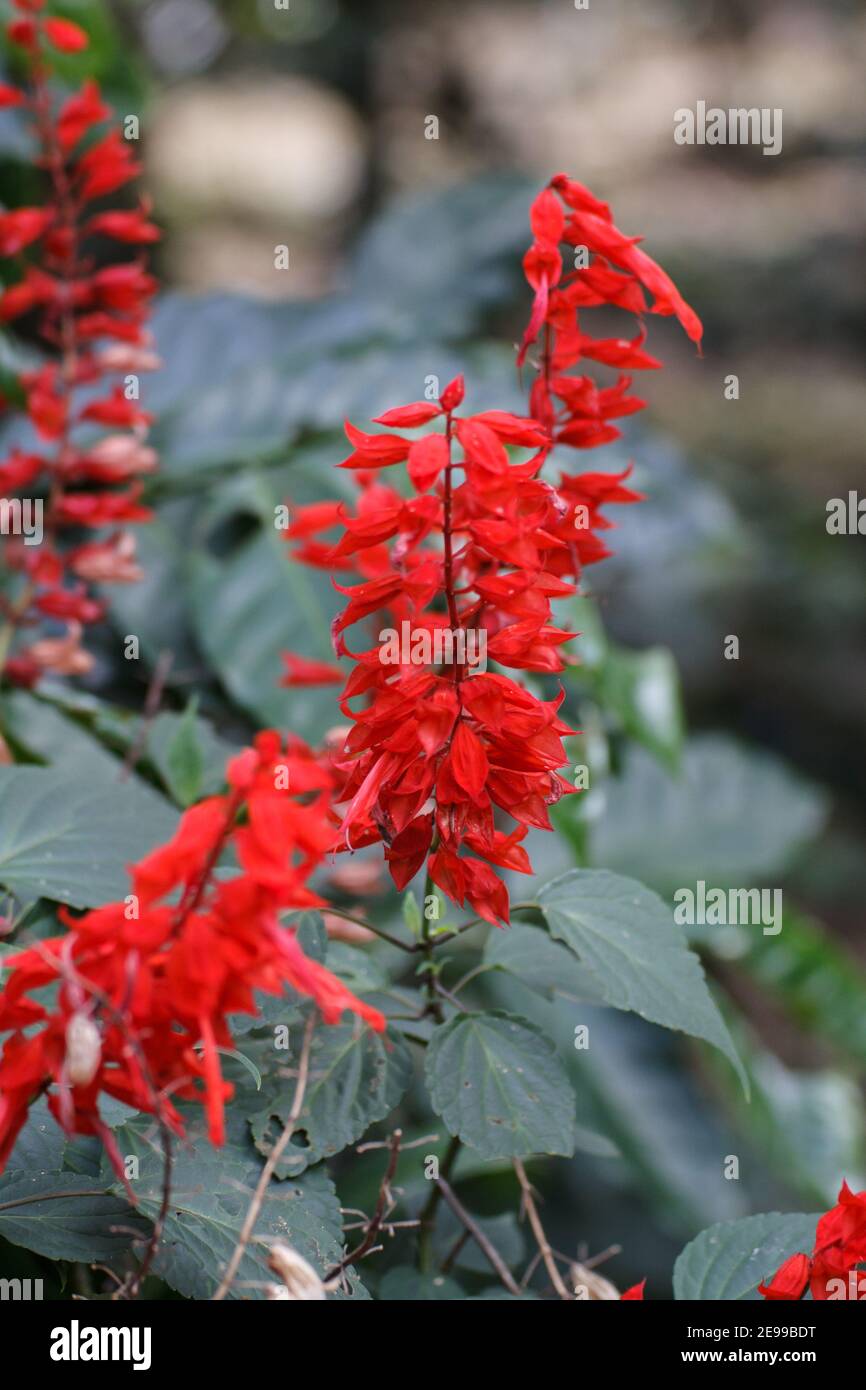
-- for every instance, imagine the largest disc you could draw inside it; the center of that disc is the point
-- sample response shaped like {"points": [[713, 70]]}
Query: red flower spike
{"points": [[72, 303], [439, 749]]}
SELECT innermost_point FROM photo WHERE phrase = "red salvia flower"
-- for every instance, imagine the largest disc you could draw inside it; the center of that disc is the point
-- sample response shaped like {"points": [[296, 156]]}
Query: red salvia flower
{"points": [[441, 749], [146, 988], [81, 314]]}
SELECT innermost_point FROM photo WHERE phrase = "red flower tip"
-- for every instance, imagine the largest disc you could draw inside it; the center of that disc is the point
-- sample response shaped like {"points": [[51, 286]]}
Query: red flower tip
{"points": [[65, 35], [790, 1280], [301, 671], [634, 1293], [452, 396]]}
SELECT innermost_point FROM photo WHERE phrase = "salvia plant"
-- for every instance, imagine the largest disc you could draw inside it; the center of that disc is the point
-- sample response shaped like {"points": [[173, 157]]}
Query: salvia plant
{"points": [[183, 1060]]}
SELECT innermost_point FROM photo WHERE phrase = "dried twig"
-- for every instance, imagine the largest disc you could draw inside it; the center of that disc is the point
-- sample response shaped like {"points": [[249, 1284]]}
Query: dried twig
{"points": [[384, 1204], [528, 1204], [486, 1246]]}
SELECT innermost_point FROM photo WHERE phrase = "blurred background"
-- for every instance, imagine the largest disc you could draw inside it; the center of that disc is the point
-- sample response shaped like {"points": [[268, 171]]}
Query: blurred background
{"points": [[307, 127]]}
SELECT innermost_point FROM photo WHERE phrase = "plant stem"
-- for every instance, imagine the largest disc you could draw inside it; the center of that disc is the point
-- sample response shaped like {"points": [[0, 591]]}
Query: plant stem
{"points": [[528, 1201], [377, 931], [427, 1220], [427, 945]]}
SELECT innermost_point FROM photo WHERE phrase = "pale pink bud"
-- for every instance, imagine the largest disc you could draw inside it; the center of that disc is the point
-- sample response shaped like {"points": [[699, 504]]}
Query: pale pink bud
{"points": [[83, 1050]]}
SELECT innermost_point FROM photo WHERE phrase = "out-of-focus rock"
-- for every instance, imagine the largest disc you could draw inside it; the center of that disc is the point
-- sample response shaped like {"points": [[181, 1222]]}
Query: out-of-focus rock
{"points": [[245, 166]]}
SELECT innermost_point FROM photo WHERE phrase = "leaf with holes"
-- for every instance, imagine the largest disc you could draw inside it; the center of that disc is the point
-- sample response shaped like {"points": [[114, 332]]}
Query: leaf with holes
{"points": [[356, 1078]]}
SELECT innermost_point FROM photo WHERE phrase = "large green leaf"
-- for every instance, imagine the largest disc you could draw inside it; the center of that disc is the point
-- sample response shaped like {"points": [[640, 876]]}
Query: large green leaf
{"points": [[59, 1213], [730, 1260], [250, 607], [732, 812], [210, 1194], [242, 380], [155, 610], [626, 936], [473, 236], [356, 1078], [69, 837], [497, 1082]]}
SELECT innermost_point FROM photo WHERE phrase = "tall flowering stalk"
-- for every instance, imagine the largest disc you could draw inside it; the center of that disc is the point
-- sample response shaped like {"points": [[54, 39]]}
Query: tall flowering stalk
{"points": [[146, 986], [92, 323], [439, 751]]}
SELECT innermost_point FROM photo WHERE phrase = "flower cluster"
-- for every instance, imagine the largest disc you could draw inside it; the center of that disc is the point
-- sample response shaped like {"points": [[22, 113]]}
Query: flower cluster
{"points": [[830, 1271], [435, 749], [146, 986], [438, 748], [93, 323]]}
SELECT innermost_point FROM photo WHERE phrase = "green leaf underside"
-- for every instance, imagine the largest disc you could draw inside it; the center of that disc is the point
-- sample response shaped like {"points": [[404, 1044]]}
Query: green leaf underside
{"points": [[626, 937]]}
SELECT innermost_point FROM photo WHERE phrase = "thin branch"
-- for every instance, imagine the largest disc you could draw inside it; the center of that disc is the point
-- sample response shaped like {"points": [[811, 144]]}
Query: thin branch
{"points": [[270, 1166], [528, 1203], [377, 931], [428, 1214], [384, 1205], [443, 938], [486, 1246], [152, 702], [159, 1224]]}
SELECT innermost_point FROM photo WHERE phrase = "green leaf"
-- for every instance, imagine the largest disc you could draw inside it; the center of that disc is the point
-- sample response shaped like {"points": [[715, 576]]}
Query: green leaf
{"points": [[155, 610], [729, 1261], [732, 812], [188, 755], [356, 1077], [69, 837], [250, 607], [180, 757], [497, 1082], [39, 1205], [411, 912], [626, 937], [539, 963], [472, 233], [211, 1192], [634, 1098], [642, 689]]}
